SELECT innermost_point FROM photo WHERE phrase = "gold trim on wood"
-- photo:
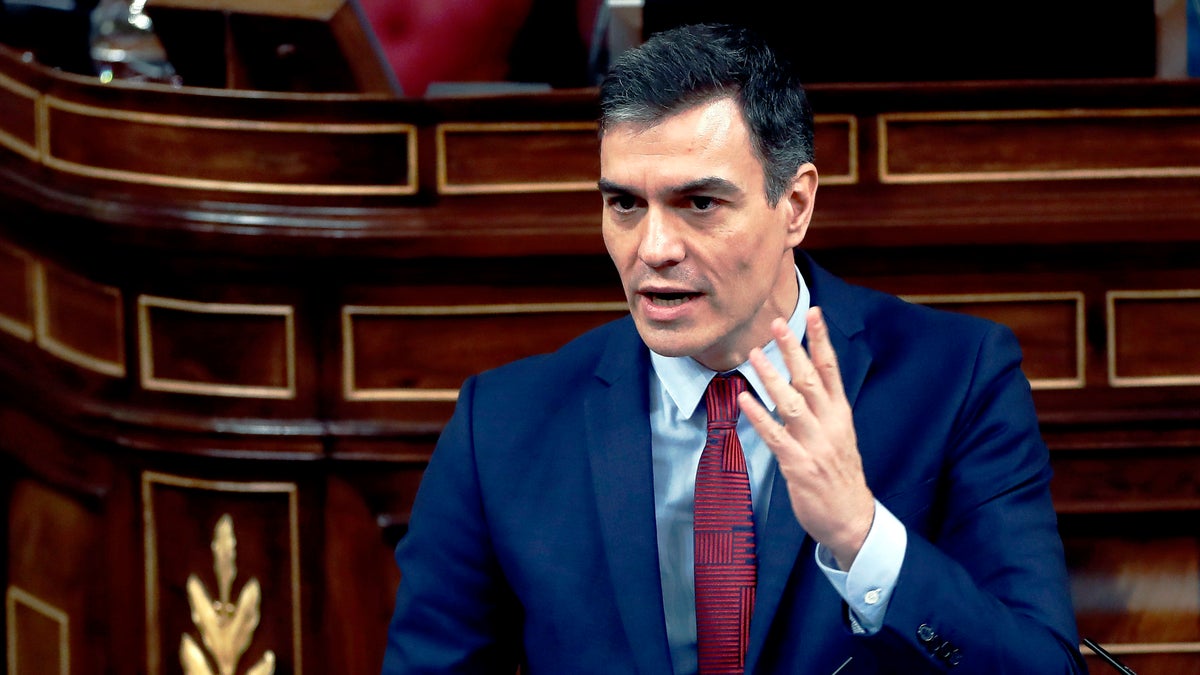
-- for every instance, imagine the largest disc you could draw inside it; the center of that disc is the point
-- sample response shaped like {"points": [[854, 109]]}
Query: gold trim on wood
{"points": [[158, 119], [317, 10], [1115, 380], [150, 544], [350, 390], [16, 595], [445, 187], [8, 140], [42, 130], [1077, 382], [886, 176], [1150, 648], [850, 178], [66, 352], [226, 627], [146, 349], [13, 325]]}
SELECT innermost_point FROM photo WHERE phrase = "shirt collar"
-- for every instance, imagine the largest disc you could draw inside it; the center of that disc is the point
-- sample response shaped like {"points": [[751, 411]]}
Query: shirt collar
{"points": [[685, 379]]}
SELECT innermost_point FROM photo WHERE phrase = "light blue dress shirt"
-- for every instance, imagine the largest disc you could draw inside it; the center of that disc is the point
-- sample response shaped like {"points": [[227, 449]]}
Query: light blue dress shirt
{"points": [[678, 431]]}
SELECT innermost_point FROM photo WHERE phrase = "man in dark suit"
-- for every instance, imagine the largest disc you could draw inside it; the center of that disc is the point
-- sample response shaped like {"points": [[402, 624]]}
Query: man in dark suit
{"points": [[881, 505]]}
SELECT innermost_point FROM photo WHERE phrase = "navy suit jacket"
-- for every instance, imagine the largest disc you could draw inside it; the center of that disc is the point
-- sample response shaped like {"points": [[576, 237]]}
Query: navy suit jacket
{"points": [[532, 539]]}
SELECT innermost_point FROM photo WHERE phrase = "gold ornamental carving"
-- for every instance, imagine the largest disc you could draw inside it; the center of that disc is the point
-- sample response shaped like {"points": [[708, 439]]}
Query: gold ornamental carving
{"points": [[226, 628]]}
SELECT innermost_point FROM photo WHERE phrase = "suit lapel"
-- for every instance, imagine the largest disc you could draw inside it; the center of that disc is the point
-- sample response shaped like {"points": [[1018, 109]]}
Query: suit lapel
{"points": [[843, 312], [777, 557], [618, 437], [783, 536]]}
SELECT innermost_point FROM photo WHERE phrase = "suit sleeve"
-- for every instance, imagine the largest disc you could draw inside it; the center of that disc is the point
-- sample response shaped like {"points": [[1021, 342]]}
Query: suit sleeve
{"points": [[454, 611], [987, 591]]}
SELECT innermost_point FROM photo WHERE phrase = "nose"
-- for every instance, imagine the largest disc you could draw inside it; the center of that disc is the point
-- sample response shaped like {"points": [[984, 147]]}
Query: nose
{"points": [[662, 242]]}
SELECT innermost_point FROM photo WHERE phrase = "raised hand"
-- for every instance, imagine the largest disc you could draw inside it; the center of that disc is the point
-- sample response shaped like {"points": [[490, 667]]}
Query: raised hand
{"points": [[814, 440]]}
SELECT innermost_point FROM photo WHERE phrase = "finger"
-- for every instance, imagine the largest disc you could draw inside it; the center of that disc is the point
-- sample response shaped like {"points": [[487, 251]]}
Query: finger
{"points": [[805, 378], [792, 408], [824, 358], [754, 411], [782, 445]]}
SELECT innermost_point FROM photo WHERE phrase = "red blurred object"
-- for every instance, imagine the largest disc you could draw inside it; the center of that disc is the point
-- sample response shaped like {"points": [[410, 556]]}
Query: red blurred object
{"points": [[428, 41]]}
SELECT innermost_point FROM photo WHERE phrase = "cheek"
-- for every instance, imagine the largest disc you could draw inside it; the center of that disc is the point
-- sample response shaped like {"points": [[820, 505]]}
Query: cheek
{"points": [[751, 269], [621, 246], [611, 238], [743, 257]]}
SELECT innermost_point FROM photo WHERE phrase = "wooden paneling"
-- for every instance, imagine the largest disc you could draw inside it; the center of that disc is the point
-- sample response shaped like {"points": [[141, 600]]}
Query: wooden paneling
{"points": [[1049, 326], [835, 140], [18, 117], [530, 157], [217, 349], [425, 352], [1037, 145], [1136, 587], [231, 154], [359, 504], [180, 522], [1152, 338], [300, 283], [493, 158], [16, 292], [52, 571], [1147, 480], [307, 9], [80, 321], [38, 635], [1187, 663]]}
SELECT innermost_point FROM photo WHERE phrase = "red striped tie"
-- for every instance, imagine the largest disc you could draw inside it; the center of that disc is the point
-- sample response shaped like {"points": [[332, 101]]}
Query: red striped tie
{"points": [[726, 565]]}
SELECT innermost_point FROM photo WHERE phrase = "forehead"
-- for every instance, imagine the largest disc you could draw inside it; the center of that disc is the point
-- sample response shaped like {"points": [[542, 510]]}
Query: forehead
{"points": [[710, 139]]}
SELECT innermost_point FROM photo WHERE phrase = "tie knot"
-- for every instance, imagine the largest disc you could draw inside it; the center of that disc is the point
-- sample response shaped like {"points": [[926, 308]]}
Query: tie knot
{"points": [[721, 399]]}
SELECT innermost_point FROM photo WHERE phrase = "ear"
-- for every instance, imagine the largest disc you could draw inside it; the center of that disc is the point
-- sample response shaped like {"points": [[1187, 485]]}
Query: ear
{"points": [[800, 200]]}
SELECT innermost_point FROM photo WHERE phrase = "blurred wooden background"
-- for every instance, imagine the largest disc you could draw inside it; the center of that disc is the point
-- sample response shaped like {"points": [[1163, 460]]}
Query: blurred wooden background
{"points": [[229, 301]]}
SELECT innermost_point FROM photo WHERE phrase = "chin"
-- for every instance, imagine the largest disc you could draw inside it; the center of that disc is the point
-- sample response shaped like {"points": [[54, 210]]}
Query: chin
{"points": [[666, 342], [669, 352]]}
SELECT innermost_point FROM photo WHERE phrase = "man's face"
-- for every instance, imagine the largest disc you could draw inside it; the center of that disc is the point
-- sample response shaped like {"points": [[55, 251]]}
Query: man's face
{"points": [[705, 261]]}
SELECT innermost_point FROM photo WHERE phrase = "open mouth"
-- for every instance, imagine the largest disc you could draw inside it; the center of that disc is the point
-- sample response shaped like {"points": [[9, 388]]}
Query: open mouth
{"points": [[669, 299]]}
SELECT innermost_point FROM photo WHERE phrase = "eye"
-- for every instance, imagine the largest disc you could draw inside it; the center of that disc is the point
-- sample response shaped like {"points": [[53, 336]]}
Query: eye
{"points": [[702, 203], [622, 203]]}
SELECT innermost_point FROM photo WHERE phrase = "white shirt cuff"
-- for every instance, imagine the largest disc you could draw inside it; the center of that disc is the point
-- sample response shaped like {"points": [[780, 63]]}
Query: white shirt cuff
{"points": [[867, 587]]}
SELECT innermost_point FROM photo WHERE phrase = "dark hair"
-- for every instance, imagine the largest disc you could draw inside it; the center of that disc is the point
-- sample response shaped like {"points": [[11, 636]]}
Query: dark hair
{"points": [[692, 65]]}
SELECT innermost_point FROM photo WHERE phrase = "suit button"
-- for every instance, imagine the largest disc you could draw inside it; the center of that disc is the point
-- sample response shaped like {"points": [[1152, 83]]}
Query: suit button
{"points": [[925, 633], [944, 650], [954, 657]]}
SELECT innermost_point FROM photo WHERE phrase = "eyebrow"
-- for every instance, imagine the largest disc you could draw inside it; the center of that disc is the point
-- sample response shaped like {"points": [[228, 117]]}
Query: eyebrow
{"points": [[608, 186], [708, 184]]}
